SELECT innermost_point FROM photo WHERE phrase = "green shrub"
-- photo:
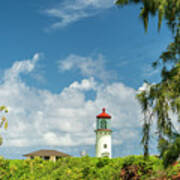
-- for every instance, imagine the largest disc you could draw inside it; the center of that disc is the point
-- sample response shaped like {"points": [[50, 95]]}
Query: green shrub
{"points": [[85, 168]]}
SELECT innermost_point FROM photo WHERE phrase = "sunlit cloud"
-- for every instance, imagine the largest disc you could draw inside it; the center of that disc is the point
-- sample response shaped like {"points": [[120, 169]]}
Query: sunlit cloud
{"points": [[70, 11]]}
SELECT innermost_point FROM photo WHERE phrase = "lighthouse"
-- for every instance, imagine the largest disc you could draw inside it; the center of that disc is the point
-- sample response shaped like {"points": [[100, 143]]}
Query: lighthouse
{"points": [[103, 134]]}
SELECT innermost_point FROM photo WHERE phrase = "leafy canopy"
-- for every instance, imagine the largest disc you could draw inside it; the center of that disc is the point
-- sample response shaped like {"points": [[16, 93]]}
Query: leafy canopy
{"points": [[160, 100], [168, 9]]}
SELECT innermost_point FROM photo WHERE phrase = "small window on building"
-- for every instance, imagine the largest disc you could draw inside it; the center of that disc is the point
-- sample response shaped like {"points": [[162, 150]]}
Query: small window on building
{"points": [[105, 154], [57, 157], [46, 157], [105, 146], [103, 124]]}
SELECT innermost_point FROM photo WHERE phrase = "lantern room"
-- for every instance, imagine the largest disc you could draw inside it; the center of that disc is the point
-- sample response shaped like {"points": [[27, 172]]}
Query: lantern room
{"points": [[103, 120]]}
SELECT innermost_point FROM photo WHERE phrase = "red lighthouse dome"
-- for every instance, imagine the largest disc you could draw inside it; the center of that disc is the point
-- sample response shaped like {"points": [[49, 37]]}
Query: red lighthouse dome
{"points": [[103, 114]]}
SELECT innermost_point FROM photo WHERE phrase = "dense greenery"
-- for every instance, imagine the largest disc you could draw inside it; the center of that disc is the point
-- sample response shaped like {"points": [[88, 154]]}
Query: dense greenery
{"points": [[166, 9], [74, 168], [159, 101]]}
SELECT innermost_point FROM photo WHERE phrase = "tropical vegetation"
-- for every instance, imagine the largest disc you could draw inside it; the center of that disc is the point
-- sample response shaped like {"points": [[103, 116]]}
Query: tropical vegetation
{"points": [[160, 102], [89, 168]]}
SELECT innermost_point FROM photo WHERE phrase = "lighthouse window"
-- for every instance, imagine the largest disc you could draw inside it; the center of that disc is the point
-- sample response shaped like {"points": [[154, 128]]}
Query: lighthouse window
{"points": [[105, 146], [103, 124]]}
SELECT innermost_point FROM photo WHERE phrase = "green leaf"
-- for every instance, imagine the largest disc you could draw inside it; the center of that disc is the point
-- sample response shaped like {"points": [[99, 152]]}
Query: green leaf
{"points": [[6, 125], [1, 140]]}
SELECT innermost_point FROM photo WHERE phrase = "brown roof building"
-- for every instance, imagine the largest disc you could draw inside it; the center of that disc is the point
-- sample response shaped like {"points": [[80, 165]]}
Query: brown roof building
{"points": [[46, 154]]}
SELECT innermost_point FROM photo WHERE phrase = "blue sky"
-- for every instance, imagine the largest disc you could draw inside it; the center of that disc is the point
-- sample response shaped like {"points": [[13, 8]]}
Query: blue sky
{"points": [[62, 61]]}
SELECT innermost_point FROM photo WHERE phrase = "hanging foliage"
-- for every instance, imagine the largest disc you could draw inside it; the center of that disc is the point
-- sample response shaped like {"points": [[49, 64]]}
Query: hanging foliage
{"points": [[159, 101]]}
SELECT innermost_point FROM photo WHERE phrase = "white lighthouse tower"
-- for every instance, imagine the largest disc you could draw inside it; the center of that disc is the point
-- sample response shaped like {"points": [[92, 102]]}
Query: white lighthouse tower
{"points": [[103, 134]]}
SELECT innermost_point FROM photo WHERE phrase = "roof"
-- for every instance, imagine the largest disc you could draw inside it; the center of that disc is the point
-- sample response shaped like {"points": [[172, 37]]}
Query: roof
{"points": [[45, 152], [103, 114]]}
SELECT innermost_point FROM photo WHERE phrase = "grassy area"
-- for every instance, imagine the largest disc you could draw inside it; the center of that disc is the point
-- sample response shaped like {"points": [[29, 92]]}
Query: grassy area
{"points": [[88, 168]]}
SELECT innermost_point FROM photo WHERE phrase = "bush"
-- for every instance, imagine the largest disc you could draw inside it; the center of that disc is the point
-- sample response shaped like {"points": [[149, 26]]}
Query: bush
{"points": [[89, 168]]}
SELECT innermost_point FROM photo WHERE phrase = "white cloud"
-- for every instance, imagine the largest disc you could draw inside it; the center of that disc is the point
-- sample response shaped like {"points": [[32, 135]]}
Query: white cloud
{"points": [[19, 67], [70, 11], [86, 84], [145, 87], [88, 66], [39, 117]]}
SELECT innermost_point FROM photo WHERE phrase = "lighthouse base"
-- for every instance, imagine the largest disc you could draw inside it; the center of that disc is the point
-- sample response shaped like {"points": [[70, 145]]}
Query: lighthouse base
{"points": [[103, 143]]}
